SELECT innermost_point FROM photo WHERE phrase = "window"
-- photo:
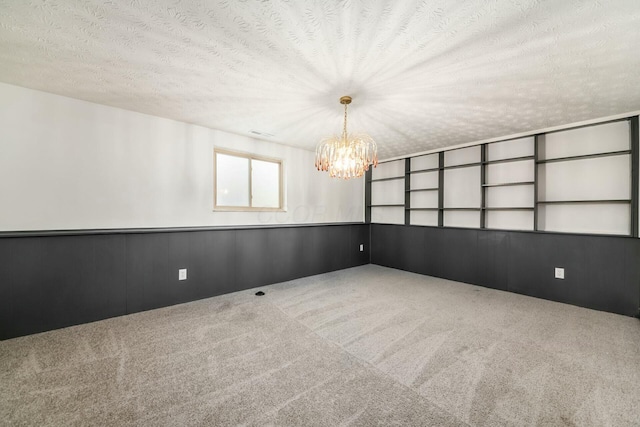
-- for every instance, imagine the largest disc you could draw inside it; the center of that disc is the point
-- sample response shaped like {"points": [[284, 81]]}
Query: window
{"points": [[245, 182]]}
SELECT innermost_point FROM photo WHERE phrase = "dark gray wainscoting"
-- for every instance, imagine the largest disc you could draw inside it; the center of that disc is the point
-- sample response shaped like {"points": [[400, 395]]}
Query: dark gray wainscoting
{"points": [[57, 279], [601, 272]]}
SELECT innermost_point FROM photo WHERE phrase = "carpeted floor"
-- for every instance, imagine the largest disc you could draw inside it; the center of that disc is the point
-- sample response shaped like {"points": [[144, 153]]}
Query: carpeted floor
{"points": [[365, 346]]}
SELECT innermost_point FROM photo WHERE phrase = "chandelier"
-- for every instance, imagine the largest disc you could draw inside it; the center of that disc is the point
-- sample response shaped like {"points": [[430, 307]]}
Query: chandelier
{"points": [[346, 156]]}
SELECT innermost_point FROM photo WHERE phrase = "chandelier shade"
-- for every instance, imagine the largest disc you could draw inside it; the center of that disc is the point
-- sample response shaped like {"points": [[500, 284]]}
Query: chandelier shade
{"points": [[348, 155]]}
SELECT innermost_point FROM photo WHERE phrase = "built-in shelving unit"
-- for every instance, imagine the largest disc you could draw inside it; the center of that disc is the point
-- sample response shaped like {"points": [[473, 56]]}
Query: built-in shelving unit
{"points": [[423, 189], [544, 182], [462, 200], [387, 202], [508, 184], [585, 179]]}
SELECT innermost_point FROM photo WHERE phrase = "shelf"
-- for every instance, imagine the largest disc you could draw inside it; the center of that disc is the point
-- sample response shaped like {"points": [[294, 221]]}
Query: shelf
{"points": [[386, 206], [567, 202], [518, 208], [466, 165], [585, 156], [387, 179], [424, 170], [509, 184], [462, 209], [421, 189], [421, 209], [511, 159]]}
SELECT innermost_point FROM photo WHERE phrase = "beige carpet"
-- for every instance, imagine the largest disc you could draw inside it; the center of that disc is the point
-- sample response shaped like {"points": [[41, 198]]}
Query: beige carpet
{"points": [[365, 346]]}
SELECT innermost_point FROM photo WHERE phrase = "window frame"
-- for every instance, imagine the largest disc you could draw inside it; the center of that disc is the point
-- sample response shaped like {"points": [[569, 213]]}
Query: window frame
{"points": [[251, 157]]}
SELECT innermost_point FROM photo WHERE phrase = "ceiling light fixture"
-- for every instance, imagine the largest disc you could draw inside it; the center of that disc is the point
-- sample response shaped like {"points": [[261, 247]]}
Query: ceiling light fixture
{"points": [[346, 156]]}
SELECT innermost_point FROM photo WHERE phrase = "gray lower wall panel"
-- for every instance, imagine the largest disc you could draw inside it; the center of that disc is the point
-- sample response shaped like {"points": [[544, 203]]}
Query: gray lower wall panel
{"points": [[601, 272], [51, 282], [493, 253], [57, 281]]}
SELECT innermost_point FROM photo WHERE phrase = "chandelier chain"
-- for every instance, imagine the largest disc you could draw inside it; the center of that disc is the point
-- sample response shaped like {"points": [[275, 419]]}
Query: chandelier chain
{"points": [[344, 128]]}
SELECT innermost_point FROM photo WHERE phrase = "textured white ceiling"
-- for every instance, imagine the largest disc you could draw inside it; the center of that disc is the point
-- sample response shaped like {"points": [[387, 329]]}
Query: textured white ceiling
{"points": [[423, 74]]}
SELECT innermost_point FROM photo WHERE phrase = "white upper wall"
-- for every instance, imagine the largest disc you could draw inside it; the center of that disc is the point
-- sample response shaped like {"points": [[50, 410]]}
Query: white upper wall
{"points": [[70, 164]]}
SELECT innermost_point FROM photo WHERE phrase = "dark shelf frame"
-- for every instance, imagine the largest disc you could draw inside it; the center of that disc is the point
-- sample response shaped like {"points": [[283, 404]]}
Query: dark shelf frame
{"points": [[635, 171], [441, 189], [367, 195], [536, 144], [538, 139]]}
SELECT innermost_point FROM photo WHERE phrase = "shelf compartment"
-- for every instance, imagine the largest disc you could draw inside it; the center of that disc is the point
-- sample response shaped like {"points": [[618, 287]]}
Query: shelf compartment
{"points": [[510, 148], [584, 156], [585, 217], [466, 165], [424, 170], [512, 159], [571, 202], [509, 218]]}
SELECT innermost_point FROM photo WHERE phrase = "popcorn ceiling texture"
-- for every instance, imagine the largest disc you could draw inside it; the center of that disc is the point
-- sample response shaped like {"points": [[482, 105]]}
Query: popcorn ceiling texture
{"points": [[423, 75]]}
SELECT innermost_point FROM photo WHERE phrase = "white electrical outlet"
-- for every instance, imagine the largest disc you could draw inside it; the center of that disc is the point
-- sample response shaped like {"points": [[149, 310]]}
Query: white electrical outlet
{"points": [[361, 247], [559, 272], [182, 274]]}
